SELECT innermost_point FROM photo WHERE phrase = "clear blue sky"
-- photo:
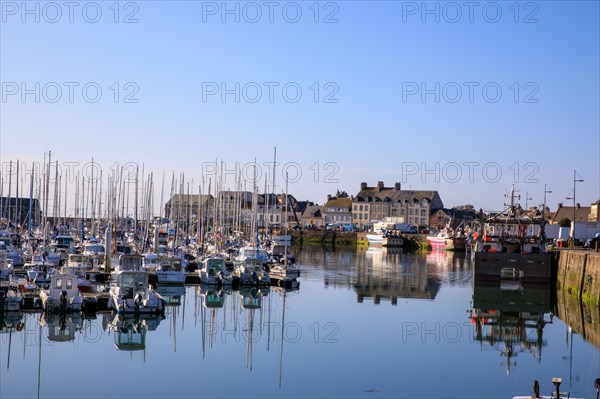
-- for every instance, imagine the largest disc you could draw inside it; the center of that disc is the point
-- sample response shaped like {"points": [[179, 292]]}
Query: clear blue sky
{"points": [[373, 58]]}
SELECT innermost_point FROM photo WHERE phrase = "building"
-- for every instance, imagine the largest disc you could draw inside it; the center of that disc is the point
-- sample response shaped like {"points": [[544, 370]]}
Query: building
{"points": [[313, 216], [16, 210], [407, 206], [337, 211], [582, 213], [180, 205], [454, 217]]}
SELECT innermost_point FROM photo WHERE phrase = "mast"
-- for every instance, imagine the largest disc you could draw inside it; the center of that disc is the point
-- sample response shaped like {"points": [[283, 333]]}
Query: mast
{"points": [[30, 203], [135, 213], [9, 193], [47, 191], [17, 200]]}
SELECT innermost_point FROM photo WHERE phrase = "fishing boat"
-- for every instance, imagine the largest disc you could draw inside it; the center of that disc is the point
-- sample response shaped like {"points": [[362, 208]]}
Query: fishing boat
{"points": [[83, 283], [170, 271], [252, 252], [39, 270], [130, 291], [510, 245], [6, 266], [11, 298], [79, 260], [252, 272], [284, 272], [214, 272], [63, 295], [94, 250], [150, 262]]}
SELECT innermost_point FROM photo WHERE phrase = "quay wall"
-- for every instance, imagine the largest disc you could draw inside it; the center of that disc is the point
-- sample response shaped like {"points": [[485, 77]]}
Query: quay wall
{"points": [[578, 275], [349, 239]]}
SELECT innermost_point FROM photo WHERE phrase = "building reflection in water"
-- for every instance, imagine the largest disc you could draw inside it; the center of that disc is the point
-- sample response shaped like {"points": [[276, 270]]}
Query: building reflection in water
{"points": [[511, 321], [387, 273], [384, 274]]}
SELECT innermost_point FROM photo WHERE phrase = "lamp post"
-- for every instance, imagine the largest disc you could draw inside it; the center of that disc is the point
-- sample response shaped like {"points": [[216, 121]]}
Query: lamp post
{"points": [[546, 191], [575, 181]]}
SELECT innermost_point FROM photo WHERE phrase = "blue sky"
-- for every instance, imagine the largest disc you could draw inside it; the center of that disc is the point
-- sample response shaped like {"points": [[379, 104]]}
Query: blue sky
{"points": [[365, 125]]}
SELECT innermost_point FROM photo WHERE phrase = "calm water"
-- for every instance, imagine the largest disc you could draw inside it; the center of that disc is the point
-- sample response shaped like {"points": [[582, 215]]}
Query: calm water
{"points": [[374, 324]]}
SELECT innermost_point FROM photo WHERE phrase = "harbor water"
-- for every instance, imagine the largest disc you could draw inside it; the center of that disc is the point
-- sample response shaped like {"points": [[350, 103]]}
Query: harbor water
{"points": [[374, 323]]}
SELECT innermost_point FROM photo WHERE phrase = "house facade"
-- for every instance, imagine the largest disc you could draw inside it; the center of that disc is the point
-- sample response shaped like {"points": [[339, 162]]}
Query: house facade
{"points": [[337, 211], [373, 204]]}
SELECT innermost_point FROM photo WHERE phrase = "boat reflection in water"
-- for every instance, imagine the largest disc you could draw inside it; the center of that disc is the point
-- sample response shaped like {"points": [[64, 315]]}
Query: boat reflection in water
{"points": [[172, 294], [11, 322], [62, 326], [213, 297], [511, 321], [130, 330]]}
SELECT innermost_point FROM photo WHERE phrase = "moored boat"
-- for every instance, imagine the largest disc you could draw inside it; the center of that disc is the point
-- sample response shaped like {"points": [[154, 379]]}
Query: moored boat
{"points": [[63, 295]]}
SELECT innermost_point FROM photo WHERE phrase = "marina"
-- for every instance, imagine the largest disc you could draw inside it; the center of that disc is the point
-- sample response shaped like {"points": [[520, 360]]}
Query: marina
{"points": [[422, 307]]}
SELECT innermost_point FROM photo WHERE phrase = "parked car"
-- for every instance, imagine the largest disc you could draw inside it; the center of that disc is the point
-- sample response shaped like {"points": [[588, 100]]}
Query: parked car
{"points": [[593, 242], [407, 228]]}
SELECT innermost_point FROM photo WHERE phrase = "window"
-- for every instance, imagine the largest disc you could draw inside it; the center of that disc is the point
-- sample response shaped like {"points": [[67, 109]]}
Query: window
{"points": [[423, 212], [69, 283], [58, 283], [360, 208], [412, 212]]}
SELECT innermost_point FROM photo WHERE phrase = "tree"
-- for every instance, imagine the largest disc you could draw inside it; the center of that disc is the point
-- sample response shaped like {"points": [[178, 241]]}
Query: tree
{"points": [[341, 194], [564, 222]]}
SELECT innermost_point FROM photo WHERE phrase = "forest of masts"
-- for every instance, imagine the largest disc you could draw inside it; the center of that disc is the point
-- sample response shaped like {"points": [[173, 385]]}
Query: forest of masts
{"points": [[88, 202]]}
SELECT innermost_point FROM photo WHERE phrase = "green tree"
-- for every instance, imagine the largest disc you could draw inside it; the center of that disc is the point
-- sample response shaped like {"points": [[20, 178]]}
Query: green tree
{"points": [[564, 222], [341, 194]]}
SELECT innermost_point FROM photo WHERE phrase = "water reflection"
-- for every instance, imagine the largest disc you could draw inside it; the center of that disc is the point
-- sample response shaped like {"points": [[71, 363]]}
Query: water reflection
{"points": [[130, 330], [61, 327], [276, 339], [387, 273], [584, 320], [511, 321], [386, 276], [171, 293]]}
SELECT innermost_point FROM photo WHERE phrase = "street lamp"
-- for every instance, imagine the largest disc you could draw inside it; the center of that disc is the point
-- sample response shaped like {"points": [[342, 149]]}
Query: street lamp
{"points": [[575, 181], [546, 191]]}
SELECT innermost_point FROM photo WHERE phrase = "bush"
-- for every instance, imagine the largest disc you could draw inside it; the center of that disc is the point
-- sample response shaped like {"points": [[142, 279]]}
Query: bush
{"points": [[564, 222]]}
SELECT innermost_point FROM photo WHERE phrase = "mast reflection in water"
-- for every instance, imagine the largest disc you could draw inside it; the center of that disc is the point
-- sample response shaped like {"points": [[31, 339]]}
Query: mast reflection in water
{"points": [[330, 338]]}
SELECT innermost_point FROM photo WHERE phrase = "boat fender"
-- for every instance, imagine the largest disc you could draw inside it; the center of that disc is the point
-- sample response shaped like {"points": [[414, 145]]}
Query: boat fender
{"points": [[21, 288]]}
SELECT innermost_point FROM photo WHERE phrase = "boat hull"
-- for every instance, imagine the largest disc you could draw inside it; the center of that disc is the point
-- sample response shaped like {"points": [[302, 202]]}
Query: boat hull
{"points": [[171, 277], [375, 239], [527, 268]]}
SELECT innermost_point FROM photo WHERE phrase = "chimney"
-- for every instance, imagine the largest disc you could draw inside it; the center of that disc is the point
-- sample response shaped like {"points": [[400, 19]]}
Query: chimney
{"points": [[397, 186], [577, 205], [559, 205], [379, 185], [328, 197], [363, 186]]}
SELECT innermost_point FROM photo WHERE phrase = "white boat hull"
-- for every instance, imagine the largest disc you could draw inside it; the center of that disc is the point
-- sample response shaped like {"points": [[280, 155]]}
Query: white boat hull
{"points": [[171, 277]]}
